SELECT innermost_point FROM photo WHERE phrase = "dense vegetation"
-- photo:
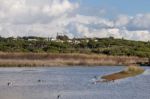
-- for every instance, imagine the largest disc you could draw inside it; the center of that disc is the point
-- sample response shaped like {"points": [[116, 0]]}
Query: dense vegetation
{"points": [[108, 46]]}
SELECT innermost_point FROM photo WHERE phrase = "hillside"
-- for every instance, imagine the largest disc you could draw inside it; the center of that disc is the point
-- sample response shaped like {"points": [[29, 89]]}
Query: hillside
{"points": [[107, 46]]}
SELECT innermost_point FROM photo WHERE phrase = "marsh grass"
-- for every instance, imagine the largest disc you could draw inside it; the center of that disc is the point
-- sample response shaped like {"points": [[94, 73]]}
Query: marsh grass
{"points": [[67, 59], [130, 71]]}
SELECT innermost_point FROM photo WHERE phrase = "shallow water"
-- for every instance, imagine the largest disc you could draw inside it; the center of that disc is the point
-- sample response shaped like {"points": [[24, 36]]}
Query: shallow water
{"points": [[70, 83]]}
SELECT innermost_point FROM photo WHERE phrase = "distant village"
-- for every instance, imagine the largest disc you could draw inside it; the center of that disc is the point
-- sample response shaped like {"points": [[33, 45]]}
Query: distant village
{"points": [[59, 38]]}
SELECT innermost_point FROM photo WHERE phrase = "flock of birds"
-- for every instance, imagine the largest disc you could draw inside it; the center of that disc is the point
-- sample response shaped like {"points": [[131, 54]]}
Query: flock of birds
{"points": [[96, 80], [10, 84], [59, 95]]}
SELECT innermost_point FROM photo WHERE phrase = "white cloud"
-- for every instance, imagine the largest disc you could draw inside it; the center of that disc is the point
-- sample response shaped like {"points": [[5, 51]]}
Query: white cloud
{"points": [[122, 20], [20, 11], [33, 17], [137, 35], [140, 22], [59, 7], [47, 17]]}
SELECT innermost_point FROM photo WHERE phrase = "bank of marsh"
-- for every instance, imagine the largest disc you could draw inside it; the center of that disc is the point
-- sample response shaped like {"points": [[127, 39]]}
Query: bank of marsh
{"points": [[130, 71], [65, 59]]}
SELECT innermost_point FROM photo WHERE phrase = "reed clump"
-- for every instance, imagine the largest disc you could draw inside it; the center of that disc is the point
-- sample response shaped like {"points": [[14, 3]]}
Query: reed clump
{"points": [[64, 59], [130, 71]]}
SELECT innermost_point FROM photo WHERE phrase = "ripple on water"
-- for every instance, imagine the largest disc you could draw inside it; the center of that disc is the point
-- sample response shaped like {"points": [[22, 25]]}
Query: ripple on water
{"points": [[71, 83], [146, 72]]}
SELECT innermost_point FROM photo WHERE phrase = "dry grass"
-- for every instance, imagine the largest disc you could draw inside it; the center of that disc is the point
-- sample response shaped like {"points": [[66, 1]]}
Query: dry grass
{"points": [[129, 72], [49, 59]]}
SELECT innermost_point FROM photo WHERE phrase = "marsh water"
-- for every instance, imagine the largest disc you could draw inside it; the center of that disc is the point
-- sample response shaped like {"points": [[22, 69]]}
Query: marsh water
{"points": [[70, 83]]}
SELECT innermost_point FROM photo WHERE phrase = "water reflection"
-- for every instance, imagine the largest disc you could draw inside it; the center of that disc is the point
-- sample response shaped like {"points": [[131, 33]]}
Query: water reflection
{"points": [[70, 83]]}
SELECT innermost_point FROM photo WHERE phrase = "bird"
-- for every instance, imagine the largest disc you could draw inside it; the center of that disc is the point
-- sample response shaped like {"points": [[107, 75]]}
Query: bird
{"points": [[95, 77], [8, 83], [58, 97], [39, 80]]}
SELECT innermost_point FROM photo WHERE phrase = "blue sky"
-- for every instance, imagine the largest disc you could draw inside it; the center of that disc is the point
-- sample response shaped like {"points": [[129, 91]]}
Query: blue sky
{"points": [[130, 7], [129, 19]]}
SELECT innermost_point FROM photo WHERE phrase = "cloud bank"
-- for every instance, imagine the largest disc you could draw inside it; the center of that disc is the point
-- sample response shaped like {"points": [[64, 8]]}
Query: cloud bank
{"points": [[47, 17]]}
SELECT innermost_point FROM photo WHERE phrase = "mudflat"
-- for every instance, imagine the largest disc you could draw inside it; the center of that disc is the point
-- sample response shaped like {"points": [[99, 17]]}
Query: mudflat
{"points": [[131, 71]]}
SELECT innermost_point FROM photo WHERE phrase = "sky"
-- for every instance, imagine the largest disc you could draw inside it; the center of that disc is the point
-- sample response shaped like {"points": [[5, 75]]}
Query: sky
{"points": [[128, 19]]}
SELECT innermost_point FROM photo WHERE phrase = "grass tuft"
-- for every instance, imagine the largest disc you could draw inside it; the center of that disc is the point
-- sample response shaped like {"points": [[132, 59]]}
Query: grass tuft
{"points": [[131, 71]]}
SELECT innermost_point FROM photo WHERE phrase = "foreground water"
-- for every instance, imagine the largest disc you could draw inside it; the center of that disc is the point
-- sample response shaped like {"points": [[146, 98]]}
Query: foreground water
{"points": [[70, 83]]}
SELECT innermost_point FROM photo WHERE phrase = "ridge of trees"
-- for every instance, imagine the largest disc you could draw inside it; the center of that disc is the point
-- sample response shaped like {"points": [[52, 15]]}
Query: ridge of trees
{"points": [[108, 46]]}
